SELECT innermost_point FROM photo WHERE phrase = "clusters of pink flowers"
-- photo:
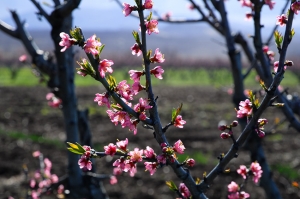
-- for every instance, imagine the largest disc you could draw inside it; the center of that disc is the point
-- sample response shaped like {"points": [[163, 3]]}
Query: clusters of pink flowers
{"points": [[234, 189], [54, 101], [84, 162], [255, 169], [245, 109], [91, 45], [234, 192], [248, 3], [268, 52], [43, 179], [128, 162]]}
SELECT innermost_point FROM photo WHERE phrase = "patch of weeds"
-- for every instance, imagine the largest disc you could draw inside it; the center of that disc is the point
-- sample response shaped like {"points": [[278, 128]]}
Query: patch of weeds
{"points": [[34, 138], [287, 171], [274, 137]]}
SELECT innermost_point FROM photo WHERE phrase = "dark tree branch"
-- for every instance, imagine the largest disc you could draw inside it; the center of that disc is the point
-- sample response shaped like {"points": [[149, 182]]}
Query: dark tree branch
{"points": [[276, 26], [56, 3], [41, 10]]}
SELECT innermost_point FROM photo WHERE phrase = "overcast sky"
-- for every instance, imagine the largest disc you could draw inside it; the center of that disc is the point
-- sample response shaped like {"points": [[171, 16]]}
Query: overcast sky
{"points": [[106, 14]]}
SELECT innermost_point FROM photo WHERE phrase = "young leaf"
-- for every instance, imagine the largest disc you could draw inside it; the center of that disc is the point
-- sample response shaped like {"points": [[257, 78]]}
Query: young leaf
{"points": [[76, 148], [111, 81], [136, 37], [176, 112], [171, 185]]}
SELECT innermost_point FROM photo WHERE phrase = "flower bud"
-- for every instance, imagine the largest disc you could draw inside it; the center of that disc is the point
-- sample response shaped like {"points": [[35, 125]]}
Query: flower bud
{"points": [[222, 127], [234, 123], [225, 135], [190, 162]]}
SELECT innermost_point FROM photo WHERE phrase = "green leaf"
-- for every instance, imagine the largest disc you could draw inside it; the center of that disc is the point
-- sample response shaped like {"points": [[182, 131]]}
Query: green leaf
{"points": [[76, 148], [292, 33], [100, 49], [136, 37], [149, 17], [76, 34], [176, 112], [171, 185], [111, 81]]}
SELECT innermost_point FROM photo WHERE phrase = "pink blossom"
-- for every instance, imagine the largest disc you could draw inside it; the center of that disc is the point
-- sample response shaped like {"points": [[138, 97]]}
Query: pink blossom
{"points": [[91, 45], [281, 20], [158, 57], [245, 109], [54, 178], [179, 147], [102, 99], [142, 105], [235, 195], [120, 163], [243, 171], [157, 72], [105, 66], [162, 158], [265, 49], [270, 3], [32, 183], [136, 88], [47, 172], [113, 180], [271, 55], [124, 90], [276, 64], [148, 4], [84, 162], [131, 167], [36, 154], [123, 144], [66, 41], [127, 9], [191, 6], [23, 58], [117, 171], [190, 162], [256, 171], [111, 149], [136, 155], [246, 3], [295, 7], [179, 122], [119, 116], [233, 187], [184, 190], [132, 126], [48, 163], [151, 26], [151, 167], [60, 189], [136, 50], [82, 71], [135, 75], [149, 152], [37, 175], [34, 194], [54, 102], [243, 195]]}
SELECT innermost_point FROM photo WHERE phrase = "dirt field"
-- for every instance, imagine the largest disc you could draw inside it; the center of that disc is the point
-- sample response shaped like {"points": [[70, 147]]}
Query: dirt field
{"points": [[25, 110]]}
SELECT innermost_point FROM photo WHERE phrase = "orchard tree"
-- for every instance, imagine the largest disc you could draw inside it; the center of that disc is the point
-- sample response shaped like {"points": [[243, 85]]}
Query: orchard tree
{"points": [[60, 71], [251, 109], [118, 98]]}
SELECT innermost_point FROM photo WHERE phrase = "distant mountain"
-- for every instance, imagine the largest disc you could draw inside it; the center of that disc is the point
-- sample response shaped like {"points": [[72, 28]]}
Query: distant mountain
{"points": [[181, 41]]}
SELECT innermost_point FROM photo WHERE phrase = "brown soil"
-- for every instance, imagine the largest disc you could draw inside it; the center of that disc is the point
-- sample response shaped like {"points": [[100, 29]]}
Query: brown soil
{"points": [[25, 110]]}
